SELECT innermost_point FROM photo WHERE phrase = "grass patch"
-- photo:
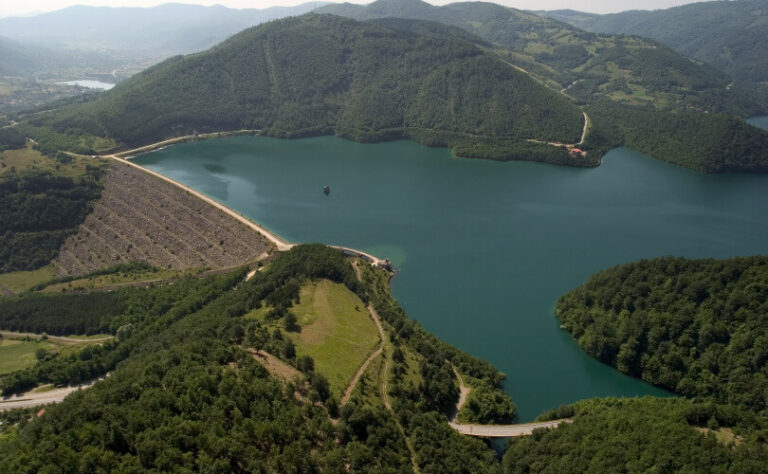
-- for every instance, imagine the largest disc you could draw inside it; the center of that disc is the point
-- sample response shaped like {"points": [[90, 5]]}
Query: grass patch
{"points": [[723, 436], [117, 279], [336, 331], [29, 159], [18, 354], [24, 280], [44, 388]]}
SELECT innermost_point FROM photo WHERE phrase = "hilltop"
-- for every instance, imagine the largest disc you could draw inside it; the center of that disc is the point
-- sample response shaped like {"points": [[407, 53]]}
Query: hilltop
{"points": [[723, 34], [587, 66], [323, 74]]}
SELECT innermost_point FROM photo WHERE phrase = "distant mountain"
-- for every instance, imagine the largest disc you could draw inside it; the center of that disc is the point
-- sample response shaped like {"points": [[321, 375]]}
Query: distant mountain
{"points": [[729, 35], [586, 66], [323, 74], [163, 31], [21, 59]]}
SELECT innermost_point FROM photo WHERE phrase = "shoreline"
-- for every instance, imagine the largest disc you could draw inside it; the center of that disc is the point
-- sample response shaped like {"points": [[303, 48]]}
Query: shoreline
{"points": [[279, 243]]}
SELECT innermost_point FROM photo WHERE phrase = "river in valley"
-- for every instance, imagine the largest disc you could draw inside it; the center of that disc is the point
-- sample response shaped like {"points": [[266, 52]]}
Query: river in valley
{"points": [[483, 249]]}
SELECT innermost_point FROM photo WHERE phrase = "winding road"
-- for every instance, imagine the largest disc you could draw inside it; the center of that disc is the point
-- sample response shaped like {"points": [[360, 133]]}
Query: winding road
{"points": [[494, 431]]}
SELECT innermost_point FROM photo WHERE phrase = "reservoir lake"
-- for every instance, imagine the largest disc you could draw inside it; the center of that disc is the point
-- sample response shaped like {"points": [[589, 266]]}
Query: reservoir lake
{"points": [[483, 249]]}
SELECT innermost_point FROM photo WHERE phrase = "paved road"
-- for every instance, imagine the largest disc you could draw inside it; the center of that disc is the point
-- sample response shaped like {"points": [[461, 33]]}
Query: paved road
{"points": [[494, 431], [505, 431], [31, 399]]}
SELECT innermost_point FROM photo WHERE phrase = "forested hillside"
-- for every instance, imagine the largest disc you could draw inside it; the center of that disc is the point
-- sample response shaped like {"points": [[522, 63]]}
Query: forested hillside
{"points": [[321, 74], [723, 34], [38, 210], [586, 66], [696, 327], [712, 143], [185, 392], [643, 435]]}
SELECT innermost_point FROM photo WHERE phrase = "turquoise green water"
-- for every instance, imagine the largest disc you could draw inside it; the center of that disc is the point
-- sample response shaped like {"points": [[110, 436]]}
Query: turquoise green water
{"points": [[761, 122], [484, 249]]}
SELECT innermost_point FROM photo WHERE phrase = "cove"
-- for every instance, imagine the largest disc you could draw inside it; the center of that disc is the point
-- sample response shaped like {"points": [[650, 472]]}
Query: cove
{"points": [[484, 249]]}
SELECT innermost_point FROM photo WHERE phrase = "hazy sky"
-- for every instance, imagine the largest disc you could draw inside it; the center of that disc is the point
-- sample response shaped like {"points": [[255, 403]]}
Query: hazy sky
{"points": [[24, 7]]}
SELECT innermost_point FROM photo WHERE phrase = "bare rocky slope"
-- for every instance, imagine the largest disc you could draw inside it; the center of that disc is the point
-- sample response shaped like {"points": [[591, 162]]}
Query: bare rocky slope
{"points": [[142, 218]]}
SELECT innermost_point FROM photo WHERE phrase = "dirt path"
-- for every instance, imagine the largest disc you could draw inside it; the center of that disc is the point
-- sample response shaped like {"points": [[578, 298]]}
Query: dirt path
{"points": [[463, 393], [351, 387], [385, 388], [494, 431], [56, 339], [568, 145], [31, 398]]}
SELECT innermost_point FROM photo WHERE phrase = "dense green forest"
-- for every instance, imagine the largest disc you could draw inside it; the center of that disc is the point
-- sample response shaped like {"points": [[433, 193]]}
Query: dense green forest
{"points": [[643, 435], [440, 85], [183, 394], [723, 34], [10, 138], [696, 327], [38, 210], [704, 142], [321, 74], [587, 66], [61, 314]]}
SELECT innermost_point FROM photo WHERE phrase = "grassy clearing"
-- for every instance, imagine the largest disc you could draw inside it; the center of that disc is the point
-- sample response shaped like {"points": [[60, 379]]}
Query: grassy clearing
{"points": [[19, 354], [21, 281], [724, 436], [29, 159], [336, 331], [117, 279]]}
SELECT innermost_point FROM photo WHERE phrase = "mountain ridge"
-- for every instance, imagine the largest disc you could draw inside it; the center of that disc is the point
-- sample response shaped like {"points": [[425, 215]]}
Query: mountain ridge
{"points": [[321, 74], [724, 34]]}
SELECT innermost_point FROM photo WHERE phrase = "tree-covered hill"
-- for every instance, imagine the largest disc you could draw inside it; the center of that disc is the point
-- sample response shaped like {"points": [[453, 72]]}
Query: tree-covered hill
{"points": [[726, 35], [38, 210], [586, 66], [696, 327], [643, 435], [186, 394], [321, 74], [712, 143]]}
